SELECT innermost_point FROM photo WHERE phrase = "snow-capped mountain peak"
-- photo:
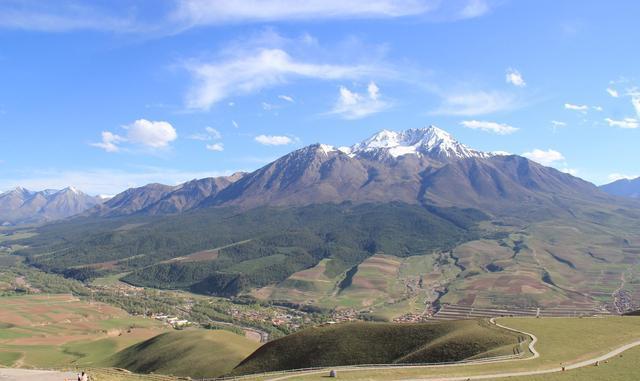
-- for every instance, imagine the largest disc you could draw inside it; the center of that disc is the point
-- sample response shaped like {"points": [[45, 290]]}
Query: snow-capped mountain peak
{"points": [[430, 141]]}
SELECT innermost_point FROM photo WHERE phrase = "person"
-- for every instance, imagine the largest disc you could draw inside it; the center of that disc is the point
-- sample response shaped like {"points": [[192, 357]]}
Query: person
{"points": [[83, 377]]}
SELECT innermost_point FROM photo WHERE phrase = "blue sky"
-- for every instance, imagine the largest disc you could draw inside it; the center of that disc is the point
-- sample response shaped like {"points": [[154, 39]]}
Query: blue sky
{"points": [[105, 95]]}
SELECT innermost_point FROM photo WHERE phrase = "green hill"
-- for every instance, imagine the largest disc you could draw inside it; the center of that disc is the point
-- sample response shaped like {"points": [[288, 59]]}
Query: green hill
{"points": [[381, 343], [193, 353]]}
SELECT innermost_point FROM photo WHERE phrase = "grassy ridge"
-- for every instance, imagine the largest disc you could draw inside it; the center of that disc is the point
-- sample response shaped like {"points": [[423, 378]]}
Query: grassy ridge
{"points": [[380, 343], [193, 353]]}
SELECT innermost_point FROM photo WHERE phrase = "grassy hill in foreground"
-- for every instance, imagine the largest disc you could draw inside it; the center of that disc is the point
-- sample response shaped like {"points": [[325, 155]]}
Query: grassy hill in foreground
{"points": [[381, 343], [193, 353]]}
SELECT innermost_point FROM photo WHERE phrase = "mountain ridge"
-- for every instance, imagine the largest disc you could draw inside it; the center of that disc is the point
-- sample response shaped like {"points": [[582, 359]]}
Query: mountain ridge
{"points": [[20, 205], [623, 187], [415, 166]]}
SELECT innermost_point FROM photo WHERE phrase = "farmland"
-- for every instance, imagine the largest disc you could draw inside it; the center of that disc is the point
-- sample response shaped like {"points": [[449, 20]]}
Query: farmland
{"points": [[55, 331]]}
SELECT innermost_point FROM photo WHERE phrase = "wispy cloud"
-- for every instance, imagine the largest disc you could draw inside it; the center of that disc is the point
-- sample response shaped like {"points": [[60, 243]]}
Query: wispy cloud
{"points": [[493, 127], [629, 123], [274, 140], [142, 132], [217, 12], [470, 103], [613, 92], [474, 8], [353, 105], [620, 176], [514, 77], [250, 71], [64, 15], [576, 107], [543, 157], [209, 133], [556, 124], [216, 147], [286, 98]]}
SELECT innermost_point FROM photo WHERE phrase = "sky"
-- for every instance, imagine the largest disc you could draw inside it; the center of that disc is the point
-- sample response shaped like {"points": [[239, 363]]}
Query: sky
{"points": [[105, 95]]}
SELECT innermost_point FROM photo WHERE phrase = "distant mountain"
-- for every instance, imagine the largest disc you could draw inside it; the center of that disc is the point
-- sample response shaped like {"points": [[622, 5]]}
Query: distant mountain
{"points": [[623, 187], [416, 166], [20, 205]]}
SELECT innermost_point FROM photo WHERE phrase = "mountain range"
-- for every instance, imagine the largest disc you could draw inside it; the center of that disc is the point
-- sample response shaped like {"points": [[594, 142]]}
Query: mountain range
{"points": [[19, 206], [416, 166], [400, 221]]}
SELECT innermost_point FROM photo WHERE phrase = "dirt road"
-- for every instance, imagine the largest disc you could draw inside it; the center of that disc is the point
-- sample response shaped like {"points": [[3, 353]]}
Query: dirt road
{"points": [[11, 374]]}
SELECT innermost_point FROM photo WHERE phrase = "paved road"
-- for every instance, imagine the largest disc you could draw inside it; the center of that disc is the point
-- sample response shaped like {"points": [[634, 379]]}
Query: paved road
{"points": [[11, 374], [534, 340]]}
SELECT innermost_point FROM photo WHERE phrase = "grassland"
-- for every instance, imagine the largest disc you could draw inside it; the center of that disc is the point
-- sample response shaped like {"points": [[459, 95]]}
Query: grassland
{"points": [[57, 331], [560, 341], [193, 353], [381, 343]]}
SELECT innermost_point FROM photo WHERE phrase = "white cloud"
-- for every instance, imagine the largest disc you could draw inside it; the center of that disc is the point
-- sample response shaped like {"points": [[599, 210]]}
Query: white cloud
{"points": [[597, 108], [217, 147], [210, 134], [109, 142], [215, 12], [153, 134], [575, 107], [620, 176], [267, 106], [557, 124], [613, 92], [287, 98], [235, 124], [250, 71], [353, 105], [515, 78], [571, 171], [273, 140], [624, 123], [547, 157], [474, 8], [475, 103], [142, 132], [496, 128]]}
